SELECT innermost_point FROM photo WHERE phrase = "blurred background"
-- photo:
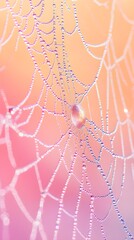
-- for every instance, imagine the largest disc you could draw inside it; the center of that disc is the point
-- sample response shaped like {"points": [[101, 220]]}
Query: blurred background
{"points": [[58, 181]]}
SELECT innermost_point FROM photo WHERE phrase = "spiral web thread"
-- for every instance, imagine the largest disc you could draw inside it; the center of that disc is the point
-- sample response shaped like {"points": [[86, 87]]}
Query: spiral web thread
{"points": [[95, 158]]}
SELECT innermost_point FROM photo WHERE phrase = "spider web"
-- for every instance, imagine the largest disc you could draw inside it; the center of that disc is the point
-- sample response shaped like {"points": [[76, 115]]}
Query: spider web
{"points": [[58, 181]]}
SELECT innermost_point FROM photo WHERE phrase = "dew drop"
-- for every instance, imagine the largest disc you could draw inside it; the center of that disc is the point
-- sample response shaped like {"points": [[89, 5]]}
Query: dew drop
{"points": [[125, 110], [77, 116], [21, 134], [5, 219]]}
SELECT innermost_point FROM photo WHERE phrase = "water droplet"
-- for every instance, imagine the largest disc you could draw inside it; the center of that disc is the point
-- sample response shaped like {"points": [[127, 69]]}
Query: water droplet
{"points": [[78, 116], [5, 219], [21, 134], [125, 110]]}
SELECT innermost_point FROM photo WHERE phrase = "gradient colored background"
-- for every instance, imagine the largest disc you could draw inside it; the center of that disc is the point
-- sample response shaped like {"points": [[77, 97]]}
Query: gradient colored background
{"points": [[38, 145]]}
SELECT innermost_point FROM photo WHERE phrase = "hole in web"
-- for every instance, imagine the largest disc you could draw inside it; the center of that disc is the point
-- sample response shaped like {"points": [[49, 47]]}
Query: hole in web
{"points": [[76, 185]]}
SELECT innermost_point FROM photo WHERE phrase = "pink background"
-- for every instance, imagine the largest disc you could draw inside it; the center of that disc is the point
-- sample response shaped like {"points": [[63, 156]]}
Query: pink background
{"points": [[21, 201]]}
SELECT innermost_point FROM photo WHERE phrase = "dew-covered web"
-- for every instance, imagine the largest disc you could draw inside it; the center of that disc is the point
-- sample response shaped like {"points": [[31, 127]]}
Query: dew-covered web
{"points": [[60, 180]]}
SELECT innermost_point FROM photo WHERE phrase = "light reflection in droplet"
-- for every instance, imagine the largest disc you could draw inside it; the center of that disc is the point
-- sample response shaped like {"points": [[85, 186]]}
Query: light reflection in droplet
{"points": [[77, 116]]}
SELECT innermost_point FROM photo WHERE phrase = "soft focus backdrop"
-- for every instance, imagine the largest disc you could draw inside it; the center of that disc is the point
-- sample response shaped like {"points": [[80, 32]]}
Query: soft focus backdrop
{"points": [[57, 181]]}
